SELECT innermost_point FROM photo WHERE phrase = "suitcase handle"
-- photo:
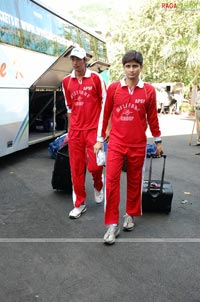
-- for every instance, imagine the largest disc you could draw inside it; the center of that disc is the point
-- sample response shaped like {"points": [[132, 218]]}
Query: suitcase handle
{"points": [[162, 176]]}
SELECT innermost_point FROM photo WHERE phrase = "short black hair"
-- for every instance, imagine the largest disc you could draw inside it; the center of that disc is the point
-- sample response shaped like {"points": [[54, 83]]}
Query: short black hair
{"points": [[132, 55]]}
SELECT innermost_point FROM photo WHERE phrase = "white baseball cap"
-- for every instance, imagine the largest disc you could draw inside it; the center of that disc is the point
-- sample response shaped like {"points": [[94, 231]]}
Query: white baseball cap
{"points": [[78, 52]]}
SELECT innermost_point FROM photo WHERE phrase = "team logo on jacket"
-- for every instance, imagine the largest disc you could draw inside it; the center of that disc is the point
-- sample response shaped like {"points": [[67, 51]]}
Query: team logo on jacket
{"points": [[79, 93], [139, 101], [127, 106], [87, 88], [127, 115], [126, 111], [79, 101]]}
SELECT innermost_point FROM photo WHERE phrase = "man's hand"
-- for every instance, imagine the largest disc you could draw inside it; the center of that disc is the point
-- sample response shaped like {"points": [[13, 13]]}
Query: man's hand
{"points": [[107, 136], [159, 149], [98, 146]]}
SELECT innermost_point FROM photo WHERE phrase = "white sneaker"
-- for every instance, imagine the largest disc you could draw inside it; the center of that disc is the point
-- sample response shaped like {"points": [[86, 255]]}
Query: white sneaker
{"points": [[77, 212], [129, 223], [98, 195], [112, 233]]}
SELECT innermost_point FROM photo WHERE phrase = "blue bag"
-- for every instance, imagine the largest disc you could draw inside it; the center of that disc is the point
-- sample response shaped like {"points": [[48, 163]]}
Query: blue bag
{"points": [[151, 150], [56, 145]]}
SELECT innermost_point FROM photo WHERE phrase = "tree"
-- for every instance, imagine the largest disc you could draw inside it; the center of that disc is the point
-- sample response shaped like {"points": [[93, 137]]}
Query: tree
{"points": [[168, 38]]}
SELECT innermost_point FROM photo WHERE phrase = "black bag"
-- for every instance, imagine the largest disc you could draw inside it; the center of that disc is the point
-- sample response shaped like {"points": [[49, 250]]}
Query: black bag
{"points": [[61, 176], [157, 194]]}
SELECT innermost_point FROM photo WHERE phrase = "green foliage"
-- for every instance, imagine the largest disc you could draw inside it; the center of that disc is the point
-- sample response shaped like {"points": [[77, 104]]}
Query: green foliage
{"points": [[169, 38]]}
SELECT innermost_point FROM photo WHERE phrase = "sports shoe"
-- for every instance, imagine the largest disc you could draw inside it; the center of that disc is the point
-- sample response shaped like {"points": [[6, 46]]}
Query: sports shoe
{"points": [[77, 212], [129, 223], [112, 233], [98, 195]]}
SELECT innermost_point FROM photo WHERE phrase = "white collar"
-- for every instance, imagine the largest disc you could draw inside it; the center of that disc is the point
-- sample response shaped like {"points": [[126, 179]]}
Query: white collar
{"points": [[86, 75], [140, 83]]}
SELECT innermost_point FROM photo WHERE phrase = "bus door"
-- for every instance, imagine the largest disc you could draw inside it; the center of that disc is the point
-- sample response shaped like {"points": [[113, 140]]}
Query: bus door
{"points": [[47, 110]]}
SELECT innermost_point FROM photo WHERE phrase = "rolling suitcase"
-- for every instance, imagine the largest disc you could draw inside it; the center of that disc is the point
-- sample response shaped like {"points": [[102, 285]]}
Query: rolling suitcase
{"points": [[61, 176], [157, 194]]}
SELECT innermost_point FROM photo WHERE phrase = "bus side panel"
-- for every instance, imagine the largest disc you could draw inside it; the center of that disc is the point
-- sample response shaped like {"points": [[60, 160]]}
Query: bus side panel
{"points": [[14, 120]]}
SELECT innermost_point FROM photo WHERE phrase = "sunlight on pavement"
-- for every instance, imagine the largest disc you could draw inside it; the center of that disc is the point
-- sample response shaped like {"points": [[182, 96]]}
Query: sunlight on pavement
{"points": [[175, 125]]}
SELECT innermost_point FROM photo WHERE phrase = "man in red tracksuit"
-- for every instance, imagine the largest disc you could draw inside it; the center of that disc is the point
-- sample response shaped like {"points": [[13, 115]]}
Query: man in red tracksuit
{"points": [[131, 104], [85, 93]]}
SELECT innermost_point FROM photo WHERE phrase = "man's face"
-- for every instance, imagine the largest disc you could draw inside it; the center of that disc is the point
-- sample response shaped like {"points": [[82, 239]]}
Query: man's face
{"points": [[78, 64], [132, 70]]}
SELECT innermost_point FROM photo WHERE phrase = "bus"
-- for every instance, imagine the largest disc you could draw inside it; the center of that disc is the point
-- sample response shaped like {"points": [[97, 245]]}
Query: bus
{"points": [[35, 43]]}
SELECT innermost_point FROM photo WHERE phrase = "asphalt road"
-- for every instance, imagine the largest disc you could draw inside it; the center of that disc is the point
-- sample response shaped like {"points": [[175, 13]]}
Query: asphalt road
{"points": [[47, 257]]}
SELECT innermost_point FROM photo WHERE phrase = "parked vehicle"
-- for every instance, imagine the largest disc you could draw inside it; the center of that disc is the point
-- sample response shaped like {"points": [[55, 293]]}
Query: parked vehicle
{"points": [[35, 43], [169, 97]]}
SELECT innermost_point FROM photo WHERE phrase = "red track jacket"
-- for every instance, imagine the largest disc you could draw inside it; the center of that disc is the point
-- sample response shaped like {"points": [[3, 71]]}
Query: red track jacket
{"points": [[131, 114]]}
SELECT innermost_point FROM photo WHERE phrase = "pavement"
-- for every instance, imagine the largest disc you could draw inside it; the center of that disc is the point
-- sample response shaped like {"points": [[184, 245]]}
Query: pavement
{"points": [[47, 257]]}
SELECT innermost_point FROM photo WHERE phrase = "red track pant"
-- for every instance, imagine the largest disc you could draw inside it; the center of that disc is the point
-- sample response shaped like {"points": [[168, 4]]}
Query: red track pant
{"points": [[135, 161], [81, 155]]}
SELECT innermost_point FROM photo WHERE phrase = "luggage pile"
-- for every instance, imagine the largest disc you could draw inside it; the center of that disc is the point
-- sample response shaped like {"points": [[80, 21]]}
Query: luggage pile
{"points": [[57, 144], [61, 175]]}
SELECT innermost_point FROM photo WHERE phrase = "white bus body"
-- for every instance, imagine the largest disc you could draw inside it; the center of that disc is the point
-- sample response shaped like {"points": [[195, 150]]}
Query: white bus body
{"points": [[34, 58]]}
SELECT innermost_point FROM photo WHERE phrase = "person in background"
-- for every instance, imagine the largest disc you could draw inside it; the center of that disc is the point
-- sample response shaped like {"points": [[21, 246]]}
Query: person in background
{"points": [[197, 113], [84, 93], [195, 101], [131, 104], [162, 99]]}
